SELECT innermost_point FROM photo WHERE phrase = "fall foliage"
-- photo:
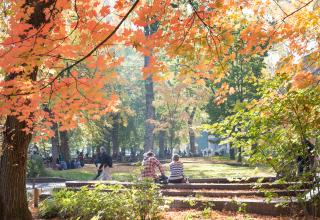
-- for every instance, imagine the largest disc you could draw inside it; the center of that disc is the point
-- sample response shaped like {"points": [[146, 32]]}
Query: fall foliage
{"points": [[59, 58]]}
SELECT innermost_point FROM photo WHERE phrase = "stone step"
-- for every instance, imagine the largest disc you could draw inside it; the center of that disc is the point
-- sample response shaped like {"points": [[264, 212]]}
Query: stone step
{"points": [[194, 186], [217, 193], [227, 186], [234, 180], [45, 180], [227, 193], [248, 205], [92, 183]]}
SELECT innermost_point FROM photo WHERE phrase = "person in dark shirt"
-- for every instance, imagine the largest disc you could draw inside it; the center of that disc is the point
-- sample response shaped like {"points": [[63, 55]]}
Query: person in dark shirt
{"points": [[105, 165]]}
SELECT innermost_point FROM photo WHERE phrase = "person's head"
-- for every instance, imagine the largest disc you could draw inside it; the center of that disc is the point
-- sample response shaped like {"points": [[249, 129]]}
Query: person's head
{"points": [[150, 154], [102, 150], [175, 157]]}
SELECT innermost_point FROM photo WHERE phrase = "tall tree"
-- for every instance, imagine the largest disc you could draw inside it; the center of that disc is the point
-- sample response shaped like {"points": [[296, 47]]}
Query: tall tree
{"points": [[150, 111], [115, 135], [192, 135], [37, 34]]}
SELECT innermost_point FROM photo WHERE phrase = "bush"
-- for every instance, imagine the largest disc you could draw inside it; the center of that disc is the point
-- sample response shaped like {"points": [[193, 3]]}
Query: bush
{"points": [[143, 202], [35, 166]]}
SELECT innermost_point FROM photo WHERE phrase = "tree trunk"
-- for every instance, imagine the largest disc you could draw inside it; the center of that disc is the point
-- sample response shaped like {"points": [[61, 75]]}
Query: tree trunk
{"points": [[148, 83], [115, 136], [13, 161], [64, 148], [192, 138], [192, 135], [240, 155], [161, 144], [150, 114], [55, 142], [13, 168], [232, 153]]}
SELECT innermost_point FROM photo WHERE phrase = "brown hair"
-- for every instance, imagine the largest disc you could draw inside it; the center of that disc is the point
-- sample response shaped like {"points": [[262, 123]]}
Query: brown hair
{"points": [[175, 157]]}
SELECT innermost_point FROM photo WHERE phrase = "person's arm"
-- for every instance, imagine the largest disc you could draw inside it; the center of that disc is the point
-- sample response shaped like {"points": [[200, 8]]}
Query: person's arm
{"points": [[159, 165], [182, 169]]}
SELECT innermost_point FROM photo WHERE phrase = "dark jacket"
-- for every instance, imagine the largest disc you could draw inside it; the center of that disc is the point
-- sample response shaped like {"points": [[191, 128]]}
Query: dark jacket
{"points": [[105, 160]]}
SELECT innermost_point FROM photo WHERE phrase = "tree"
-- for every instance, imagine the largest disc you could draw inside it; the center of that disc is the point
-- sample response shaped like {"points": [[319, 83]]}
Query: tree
{"points": [[150, 111], [239, 85], [38, 38], [179, 106]]}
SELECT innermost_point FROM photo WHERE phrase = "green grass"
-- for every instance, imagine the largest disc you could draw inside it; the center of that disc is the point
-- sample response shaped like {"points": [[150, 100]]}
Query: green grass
{"points": [[74, 174], [207, 170], [198, 168]]}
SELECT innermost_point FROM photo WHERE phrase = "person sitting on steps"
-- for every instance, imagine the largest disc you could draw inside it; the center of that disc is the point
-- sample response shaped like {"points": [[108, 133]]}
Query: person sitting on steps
{"points": [[176, 170], [150, 163]]}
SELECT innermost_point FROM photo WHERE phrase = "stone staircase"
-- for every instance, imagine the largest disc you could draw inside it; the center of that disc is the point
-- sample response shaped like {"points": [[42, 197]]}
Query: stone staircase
{"points": [[223, 194]]}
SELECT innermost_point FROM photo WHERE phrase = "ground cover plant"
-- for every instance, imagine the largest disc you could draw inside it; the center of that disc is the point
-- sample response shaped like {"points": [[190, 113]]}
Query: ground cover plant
{"points": [[142, 201]]}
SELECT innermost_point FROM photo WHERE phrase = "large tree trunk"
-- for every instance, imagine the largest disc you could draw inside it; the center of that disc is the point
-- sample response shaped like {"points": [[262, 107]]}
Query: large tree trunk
{"points": [[150, 114], [13, 163], [64, 148], [148, 83], [192, 135], [161, 144], [115, 136]]}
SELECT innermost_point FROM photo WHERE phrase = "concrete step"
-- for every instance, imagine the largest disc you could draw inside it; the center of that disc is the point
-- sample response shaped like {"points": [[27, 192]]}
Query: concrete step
{"points": [[248, 205], [227, 186], [228, 193], [234, 180], [193, 186]]}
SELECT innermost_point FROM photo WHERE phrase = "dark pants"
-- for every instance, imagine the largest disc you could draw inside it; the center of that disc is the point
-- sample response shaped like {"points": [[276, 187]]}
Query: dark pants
{"points": [[182, 180]]}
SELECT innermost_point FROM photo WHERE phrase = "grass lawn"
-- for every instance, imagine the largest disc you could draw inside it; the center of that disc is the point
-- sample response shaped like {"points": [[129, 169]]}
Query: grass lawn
{"points": [[194, 168]]}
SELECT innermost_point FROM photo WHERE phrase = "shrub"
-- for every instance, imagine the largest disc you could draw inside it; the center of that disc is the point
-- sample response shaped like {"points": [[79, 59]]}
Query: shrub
{"points": [[143, 201]]}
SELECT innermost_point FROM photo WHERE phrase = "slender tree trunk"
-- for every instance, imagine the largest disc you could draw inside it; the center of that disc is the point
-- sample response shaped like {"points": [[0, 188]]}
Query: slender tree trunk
{"points": [[239, 155], [192, 139], [115, 136], [55, 142], [13, 168], [232, 153], [171, 139], [108, 145], [65, 150], [161, 143], [192, 135]]}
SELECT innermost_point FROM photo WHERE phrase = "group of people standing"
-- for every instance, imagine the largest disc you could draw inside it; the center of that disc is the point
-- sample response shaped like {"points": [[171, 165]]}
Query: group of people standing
{"points": [[150, 165]]}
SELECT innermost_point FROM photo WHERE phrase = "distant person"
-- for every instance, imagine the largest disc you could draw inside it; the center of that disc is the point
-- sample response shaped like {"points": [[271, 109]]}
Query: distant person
{"points": [[150, 164], [81, 159], [176, 170], [58, 165], [62, 162], [105, 165]]}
